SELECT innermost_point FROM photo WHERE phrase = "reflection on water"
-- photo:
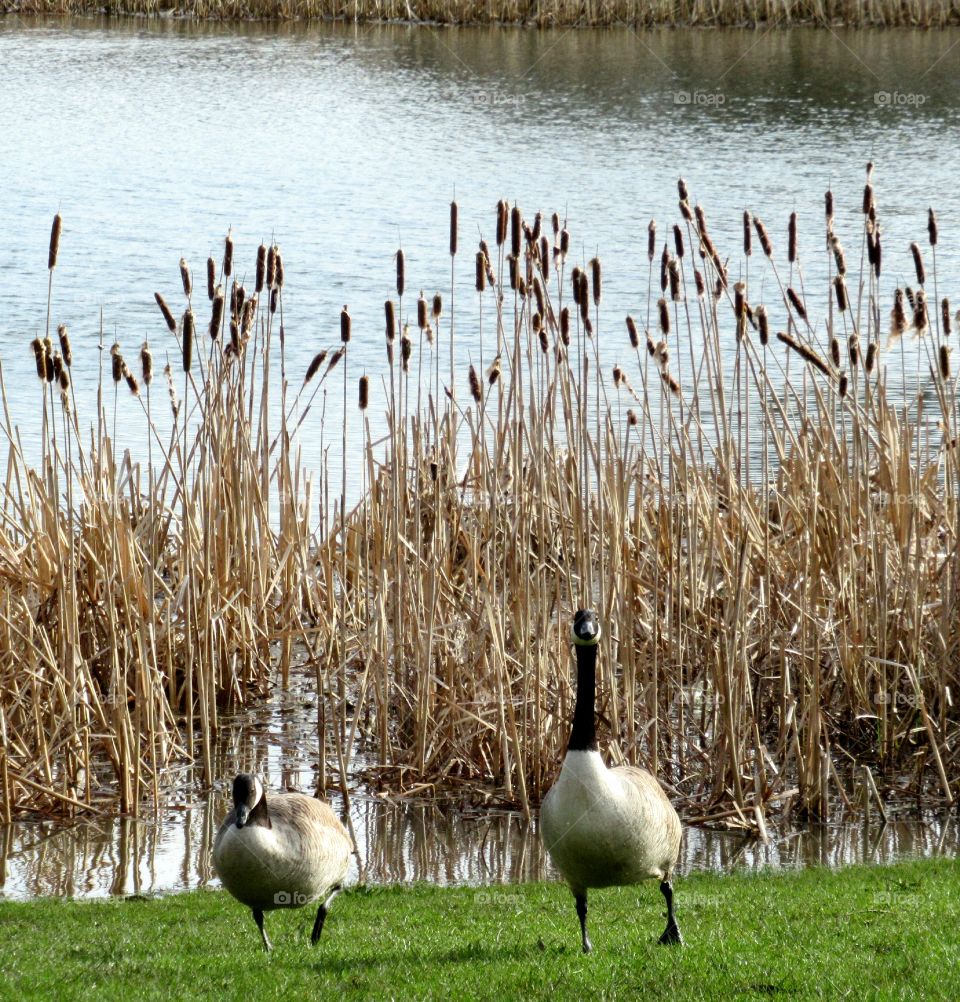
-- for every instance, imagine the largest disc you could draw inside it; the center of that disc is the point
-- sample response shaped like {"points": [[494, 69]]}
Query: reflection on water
{"points": [[400, 843]]}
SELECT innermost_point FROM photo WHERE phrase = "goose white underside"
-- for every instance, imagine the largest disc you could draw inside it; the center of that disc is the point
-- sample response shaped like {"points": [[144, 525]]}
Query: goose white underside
{"points": [[605, 827]]}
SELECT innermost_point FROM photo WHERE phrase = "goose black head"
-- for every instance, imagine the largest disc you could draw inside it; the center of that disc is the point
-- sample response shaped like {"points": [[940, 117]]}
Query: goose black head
{"points": [[586, 628], [247, 794]]}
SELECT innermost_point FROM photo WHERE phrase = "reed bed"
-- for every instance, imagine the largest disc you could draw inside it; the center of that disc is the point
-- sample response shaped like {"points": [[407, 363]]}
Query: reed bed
{"points": [[760, 498], [543, 13]]}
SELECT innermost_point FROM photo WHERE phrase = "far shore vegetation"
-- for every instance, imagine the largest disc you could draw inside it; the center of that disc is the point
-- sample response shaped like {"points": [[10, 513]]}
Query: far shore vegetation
{"points": [[538, 13]]}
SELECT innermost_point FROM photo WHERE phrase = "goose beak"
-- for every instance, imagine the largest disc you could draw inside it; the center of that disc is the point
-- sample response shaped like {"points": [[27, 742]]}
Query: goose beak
{"points": [[242, 813]]}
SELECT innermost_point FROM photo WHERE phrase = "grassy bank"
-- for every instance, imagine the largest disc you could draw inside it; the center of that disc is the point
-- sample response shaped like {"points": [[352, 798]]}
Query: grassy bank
{"points": [[542, 13], [890, 932]]}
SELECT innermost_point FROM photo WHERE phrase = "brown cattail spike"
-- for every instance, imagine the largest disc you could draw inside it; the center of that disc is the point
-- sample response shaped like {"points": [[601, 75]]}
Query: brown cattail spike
{"points": [[763, 324], [401, 273], [664, 316], [828, 206], [211, 278], [146, 364], [40, 357], [453, 228], [64, 339], [797, 304], [932, 227], [918, 263], [132, 383], [116, 363], [747, 234], [871, 356], [261, 272], [55, 231], [792, 238], [945, 317], [391, 321], [421, 311], [596, 275], [314, 365], [228, 256], [475, 390], [216, 315], [364, 386], [165, 310], [632, 331], [945, 362], [516, 228], [480, 276], [652, 239], [840, 288], [437, 306], [188, 331], [344, 325], [185, 278]]}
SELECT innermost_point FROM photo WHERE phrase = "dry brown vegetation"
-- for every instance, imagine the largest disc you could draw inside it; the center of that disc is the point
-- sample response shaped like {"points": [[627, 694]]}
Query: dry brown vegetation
{"points": [[543, 13], [768, 531]]}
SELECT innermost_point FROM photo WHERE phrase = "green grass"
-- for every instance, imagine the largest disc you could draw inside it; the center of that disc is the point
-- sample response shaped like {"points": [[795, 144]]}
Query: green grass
{"points": [[880, 932]]}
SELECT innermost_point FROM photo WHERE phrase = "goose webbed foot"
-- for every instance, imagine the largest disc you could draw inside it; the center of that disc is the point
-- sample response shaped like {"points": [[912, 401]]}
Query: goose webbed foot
{"points": [[671, 935], [582, 915], [258, 918]]}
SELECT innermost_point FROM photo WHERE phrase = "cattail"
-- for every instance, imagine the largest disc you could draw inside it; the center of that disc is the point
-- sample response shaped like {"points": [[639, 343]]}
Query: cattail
{"points": [[364, 386], [555, 223], [64, 338], [575, 283], [652, 239], [701, 220], [617, 376], [838, 256], [664, 316], [345, 323], [269, 275], [480, 280], [544, 343], [651, 347], [762, 235], [228, 256], [867, 198], [871, 244], [739, 300], [64, 383], [685, 211], [911, 299], [390, 317], [211, 278], [564, 243], [237, 294], [475, 391], [400, 273], [116, 363], [132, 383], [918, 263], [662, 355], [537, 322], [945, 316], [835, 352], [853, 345], [437, 306], [932, 227], [828, 207], [216, 314], [701, 285], [840, 288], [279, 276], [595, 270], [314, 366], [55, 370], [747, 234], [545, 258], [188, 332], [146, 363], [261, 271], [503, 219], [40, 357], [945, 362], [718, 288], [763, 324], [678, 240], [673, 271], [453, 228], [487, 259], [898, 316], [165, 310], [878, 255], [539, 296], [406, 349], [682, 189], [664, 269], [632, 418], [672, 384], [493, 373], [185, 278], [171, 391], [792, 238], [920, 317], [537, 228], [842, 385], [871, 357], [249, 313], [584, 299], [797, 304], [632, 331], [565, 325], [808, 354], [54, 250], [516, 228]]}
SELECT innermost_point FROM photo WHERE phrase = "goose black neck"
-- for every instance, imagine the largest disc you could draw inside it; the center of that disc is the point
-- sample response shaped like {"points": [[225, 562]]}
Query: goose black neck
{"points": [[583, 734]]}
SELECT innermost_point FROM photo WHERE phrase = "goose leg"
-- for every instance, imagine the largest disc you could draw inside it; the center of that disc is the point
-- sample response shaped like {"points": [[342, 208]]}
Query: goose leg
{"points": [[258, 918], [321, 916], [582, 915], [671, 935]]}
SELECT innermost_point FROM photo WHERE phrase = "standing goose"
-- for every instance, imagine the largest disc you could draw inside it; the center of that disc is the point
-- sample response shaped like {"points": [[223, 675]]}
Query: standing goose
{"points": [[605, 827], [286, 855]]}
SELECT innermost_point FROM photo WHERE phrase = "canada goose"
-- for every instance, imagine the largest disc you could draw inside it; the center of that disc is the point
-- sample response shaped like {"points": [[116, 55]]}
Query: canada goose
{"points": [[284, 855], [605, 827]]}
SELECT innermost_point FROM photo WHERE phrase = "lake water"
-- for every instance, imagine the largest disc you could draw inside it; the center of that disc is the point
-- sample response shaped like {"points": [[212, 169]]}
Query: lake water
{"points": [[342, 143]]}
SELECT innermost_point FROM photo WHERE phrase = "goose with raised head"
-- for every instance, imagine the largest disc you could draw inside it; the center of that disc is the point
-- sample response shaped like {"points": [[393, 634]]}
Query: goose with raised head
{"points": [[285, 854], [604, 827]]}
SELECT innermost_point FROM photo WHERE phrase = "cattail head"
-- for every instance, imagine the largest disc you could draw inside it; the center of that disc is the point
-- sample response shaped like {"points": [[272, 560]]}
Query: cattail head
{"points": [[314, 366], [584, 299], [652, 239], [867, 198], [503, 221], [747, 234], [216, 314], [595, 270], [555, 223], [278, 280], [673, 271], [475, 390], [945, 362], [840, 288], [132, 383], [664, 316], [945, 317], [763, 324], [898, 316], [664, 268], [545, 258], [453, 228], [185, 278], [345, 324], [437, 306], [406, 348], [762, 236], [64, 383], [877, 254], [516, 229], [932, 227], [261, 270], [838, 255], [364, 388], [701, 284], [542, 335], [274, 299], [828, 207], [678, 240], [165, 310], [55, 231], [188, 332], [842, 384], [391, 320], [249, 313], [575, 283], [116, 363], [40, 357], [632, 331], [853, 345], [617, 376], [921, 320], [480, 272], [57, 368], [64, 339], [228, 256], [565, 325], [682, 189], [401, 273], [211, 278], [146, 363], [835, 352], [792, 238], [564, 243], [918, 263], [493, 373], [797, 304], [685, 211], [871, 359]]}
